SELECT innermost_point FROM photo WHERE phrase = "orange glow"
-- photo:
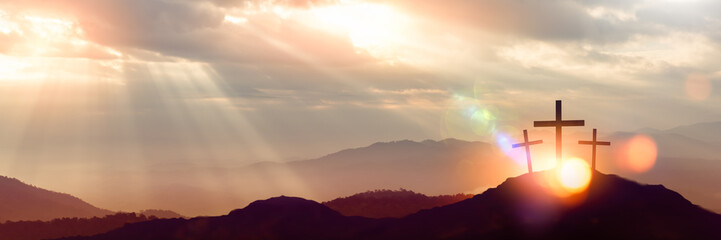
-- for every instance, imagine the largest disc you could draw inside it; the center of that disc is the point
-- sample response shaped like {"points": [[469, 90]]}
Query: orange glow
{"points": [[569, 181], [698, 87], [574, 175], [640, 154]]}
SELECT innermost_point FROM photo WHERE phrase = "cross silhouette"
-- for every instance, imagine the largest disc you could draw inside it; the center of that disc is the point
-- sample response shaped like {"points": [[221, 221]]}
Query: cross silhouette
{"points": [[527, 144], [594, 143], [558, 124]]}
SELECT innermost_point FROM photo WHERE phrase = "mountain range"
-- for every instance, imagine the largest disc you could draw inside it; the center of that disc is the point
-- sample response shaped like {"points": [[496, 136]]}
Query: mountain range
{"points": [[520, 208], [23, 202], [430, 167], [19, 201], [67, 227], [687, 162]]}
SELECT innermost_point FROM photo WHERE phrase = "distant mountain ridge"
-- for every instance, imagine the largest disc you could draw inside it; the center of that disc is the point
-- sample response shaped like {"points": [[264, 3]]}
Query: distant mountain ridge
{"points": [[67, 227], [448, 166], [707, 131], [389, 203], [20, 201], [430, 167], [519, 208]]}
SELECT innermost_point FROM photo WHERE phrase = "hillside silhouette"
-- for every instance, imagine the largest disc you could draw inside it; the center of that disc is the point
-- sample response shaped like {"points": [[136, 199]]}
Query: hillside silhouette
{"points": [[611, 208], [67, 227], [519, 208], [275, 218], [20, 201], [389, 203]]}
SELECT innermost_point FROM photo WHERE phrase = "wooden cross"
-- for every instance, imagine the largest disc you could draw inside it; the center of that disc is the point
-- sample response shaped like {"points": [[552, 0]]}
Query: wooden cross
{"points": [[527, 144], [558, 123], [594, 143]]}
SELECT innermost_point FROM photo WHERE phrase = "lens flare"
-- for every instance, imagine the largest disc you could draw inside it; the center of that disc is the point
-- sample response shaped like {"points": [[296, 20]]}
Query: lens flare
{"points": [[504, 142], [640, 154], [467, 113], [483, 122]]}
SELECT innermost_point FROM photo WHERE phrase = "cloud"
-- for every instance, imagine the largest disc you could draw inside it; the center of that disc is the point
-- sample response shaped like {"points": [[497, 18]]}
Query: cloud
{"points": [[545, 20], [26, 34], [197, 30]]}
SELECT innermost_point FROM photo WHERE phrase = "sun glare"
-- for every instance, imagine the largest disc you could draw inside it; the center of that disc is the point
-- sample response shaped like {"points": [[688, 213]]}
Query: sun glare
{"points": [[569, 180], [574, 175], [372, 27]]}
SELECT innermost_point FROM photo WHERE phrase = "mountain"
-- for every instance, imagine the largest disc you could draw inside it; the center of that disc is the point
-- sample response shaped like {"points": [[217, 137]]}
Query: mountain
{"points": [[674, 145], [700, 140], [708, 132], [67, 227], [388, 203], [520, 208], [430, 167], [19, 201]]}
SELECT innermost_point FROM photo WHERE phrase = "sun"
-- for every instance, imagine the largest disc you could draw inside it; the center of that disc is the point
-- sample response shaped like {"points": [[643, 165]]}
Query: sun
{"points": [[375, 28], [574, 175]]}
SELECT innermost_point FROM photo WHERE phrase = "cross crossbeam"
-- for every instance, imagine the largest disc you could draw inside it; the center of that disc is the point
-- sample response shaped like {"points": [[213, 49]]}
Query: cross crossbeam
{"points": [[594, 143], [558, 124], [527, 144]]}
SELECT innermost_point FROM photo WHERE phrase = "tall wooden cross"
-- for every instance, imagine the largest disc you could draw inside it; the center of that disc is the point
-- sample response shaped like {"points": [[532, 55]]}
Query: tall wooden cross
{"points": [[558, 123], [527, 144], [594, 143]]}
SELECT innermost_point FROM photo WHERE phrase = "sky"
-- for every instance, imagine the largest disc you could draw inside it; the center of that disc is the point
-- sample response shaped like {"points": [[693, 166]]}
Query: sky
{"points": [[127, 85]]}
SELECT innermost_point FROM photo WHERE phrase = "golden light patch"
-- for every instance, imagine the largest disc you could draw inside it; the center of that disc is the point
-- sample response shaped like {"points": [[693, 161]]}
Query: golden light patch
{"points": [[372, 27]]}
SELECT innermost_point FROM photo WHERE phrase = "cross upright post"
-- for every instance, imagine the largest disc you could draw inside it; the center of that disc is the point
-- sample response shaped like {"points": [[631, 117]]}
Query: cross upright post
{"points": [[558, 124], [527, 144], [594, 143]]}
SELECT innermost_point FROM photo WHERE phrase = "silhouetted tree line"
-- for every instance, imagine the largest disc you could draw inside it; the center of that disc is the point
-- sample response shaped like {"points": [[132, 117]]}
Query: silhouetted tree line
{"points": [[390, 203], [67, 227]]}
